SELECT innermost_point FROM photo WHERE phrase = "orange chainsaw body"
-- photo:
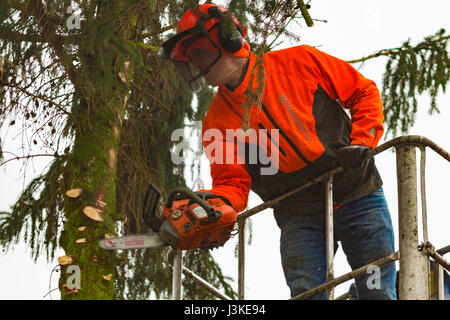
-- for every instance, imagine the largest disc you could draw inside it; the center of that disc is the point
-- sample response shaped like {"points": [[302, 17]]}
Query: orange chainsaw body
{"points": [[187, 225]]}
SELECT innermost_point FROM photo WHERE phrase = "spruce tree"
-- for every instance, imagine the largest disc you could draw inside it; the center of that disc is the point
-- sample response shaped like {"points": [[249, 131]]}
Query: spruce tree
{"points": [[88, 87]]}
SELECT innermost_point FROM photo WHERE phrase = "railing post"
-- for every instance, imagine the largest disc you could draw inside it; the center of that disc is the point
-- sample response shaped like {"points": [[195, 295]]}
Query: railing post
{"points": [[241, 260], [440, 282], [414, 264], [177, 268], [423, 196], [329, 233]]}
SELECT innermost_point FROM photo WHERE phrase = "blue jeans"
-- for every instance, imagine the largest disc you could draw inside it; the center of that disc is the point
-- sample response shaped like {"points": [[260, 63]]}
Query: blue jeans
{"points": [[365, 231]]}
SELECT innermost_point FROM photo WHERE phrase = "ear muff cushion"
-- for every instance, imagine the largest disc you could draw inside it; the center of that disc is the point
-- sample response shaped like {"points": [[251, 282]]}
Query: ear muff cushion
{"points": [[205, 43], [230, 37]]}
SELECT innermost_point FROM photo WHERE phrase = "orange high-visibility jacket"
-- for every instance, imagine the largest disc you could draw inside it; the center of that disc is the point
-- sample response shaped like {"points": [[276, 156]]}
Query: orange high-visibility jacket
{"points": [[304, 92]]}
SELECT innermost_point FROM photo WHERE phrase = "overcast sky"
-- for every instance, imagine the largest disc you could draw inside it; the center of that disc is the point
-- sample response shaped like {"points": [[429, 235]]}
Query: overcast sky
{"points": [[354, 29]]}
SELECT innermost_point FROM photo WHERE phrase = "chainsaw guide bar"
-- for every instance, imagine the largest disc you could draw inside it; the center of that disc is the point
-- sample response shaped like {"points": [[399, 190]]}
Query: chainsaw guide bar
{"points": [[139, 241]]}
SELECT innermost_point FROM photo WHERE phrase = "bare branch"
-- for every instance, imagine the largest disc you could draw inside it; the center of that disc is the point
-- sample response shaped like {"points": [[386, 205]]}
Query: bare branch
{"points": [[29, 157], [154, 33], [59, 107]]}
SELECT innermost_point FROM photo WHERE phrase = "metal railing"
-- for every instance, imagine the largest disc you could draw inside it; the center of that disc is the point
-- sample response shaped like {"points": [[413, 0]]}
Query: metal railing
{"points": [[414, 272]]}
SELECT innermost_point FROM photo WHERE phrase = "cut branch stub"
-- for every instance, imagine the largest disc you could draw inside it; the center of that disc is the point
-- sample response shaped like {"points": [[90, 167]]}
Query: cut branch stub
{"points": [[84, 240], [93, 213], [74, 193], [304, 10], [100, 203], [107, 277], [70, 291], [122, 77], [65, 260]]}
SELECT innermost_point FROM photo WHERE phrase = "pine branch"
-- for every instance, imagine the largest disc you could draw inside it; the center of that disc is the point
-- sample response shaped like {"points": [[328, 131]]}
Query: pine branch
{"points": [[394, 51], [16, 5], [47, 23], [11, 35], [304, 10], [411, 71]]}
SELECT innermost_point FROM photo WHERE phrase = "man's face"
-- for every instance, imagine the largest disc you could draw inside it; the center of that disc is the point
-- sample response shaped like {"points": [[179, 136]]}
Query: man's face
{"points": [[200, 59]]}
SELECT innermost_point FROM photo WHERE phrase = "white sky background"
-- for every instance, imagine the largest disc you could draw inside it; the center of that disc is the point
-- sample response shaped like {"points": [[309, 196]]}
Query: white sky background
{"points": [[354, 29]]}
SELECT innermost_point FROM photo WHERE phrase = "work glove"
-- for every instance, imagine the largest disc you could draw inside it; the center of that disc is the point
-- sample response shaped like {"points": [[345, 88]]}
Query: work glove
{"points": [[351, 157]]}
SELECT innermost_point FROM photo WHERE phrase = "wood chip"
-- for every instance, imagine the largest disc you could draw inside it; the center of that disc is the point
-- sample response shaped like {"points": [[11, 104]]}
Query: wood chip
{"points": [[82, 228], [65, 260], [93, 213], [74, 193], [81, 240], [108, 277], [122, 77], [109, 235], [68, 291], [100, 203]]}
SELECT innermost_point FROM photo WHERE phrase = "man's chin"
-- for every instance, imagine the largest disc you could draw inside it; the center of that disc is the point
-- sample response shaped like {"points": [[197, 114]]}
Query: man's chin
{"points": [[212, 83], [210, 79]]}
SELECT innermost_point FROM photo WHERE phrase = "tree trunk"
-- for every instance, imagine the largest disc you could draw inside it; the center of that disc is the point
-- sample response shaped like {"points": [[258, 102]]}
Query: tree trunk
{"points": [[93, 169]]}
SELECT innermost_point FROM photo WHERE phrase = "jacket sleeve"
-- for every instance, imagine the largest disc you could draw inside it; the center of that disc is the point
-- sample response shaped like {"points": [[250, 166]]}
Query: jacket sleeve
{"points": [[230, 179], [343, 82]]}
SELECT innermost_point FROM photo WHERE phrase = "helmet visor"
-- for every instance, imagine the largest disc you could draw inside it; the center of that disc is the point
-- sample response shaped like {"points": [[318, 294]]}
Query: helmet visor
{"points": [[188, 74], [177, 51]]}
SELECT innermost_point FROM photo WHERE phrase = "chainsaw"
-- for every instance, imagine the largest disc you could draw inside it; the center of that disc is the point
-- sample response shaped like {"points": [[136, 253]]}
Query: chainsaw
{"points": [[184, 224]]}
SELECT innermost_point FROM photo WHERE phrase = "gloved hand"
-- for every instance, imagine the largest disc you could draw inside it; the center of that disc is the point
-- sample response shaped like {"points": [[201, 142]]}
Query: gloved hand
{"points": [[350, 157]]}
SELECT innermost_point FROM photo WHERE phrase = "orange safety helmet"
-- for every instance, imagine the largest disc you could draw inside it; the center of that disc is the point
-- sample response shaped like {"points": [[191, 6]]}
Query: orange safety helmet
{"points": [[206, 27]]}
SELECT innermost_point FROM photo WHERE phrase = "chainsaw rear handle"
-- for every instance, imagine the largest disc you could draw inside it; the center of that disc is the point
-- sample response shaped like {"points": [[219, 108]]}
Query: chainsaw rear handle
{"points": [[192, 196]]}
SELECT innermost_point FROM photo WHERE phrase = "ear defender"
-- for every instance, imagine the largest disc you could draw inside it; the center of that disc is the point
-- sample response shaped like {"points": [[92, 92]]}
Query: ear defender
{"points": [[230, 39]]}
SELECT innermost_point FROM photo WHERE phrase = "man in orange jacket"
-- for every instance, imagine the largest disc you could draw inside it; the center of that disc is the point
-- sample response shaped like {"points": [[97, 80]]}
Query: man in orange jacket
{"points": [[303, 131]]}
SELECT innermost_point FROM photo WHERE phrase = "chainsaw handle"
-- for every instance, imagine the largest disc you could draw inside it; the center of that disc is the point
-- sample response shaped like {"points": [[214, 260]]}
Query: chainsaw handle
{"points": [[190, 195]]}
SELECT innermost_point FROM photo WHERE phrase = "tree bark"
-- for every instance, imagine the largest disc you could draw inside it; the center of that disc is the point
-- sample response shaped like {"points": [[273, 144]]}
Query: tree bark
{"points": [[93, 169]]}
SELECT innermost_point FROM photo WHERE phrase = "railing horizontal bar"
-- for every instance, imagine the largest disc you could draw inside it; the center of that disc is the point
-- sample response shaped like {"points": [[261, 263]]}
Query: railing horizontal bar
{"points": [[430, 250], [345, 296], [443, 250], [205, 284], [439, 259], [348, 276], [270, 203], [415, 140]]}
